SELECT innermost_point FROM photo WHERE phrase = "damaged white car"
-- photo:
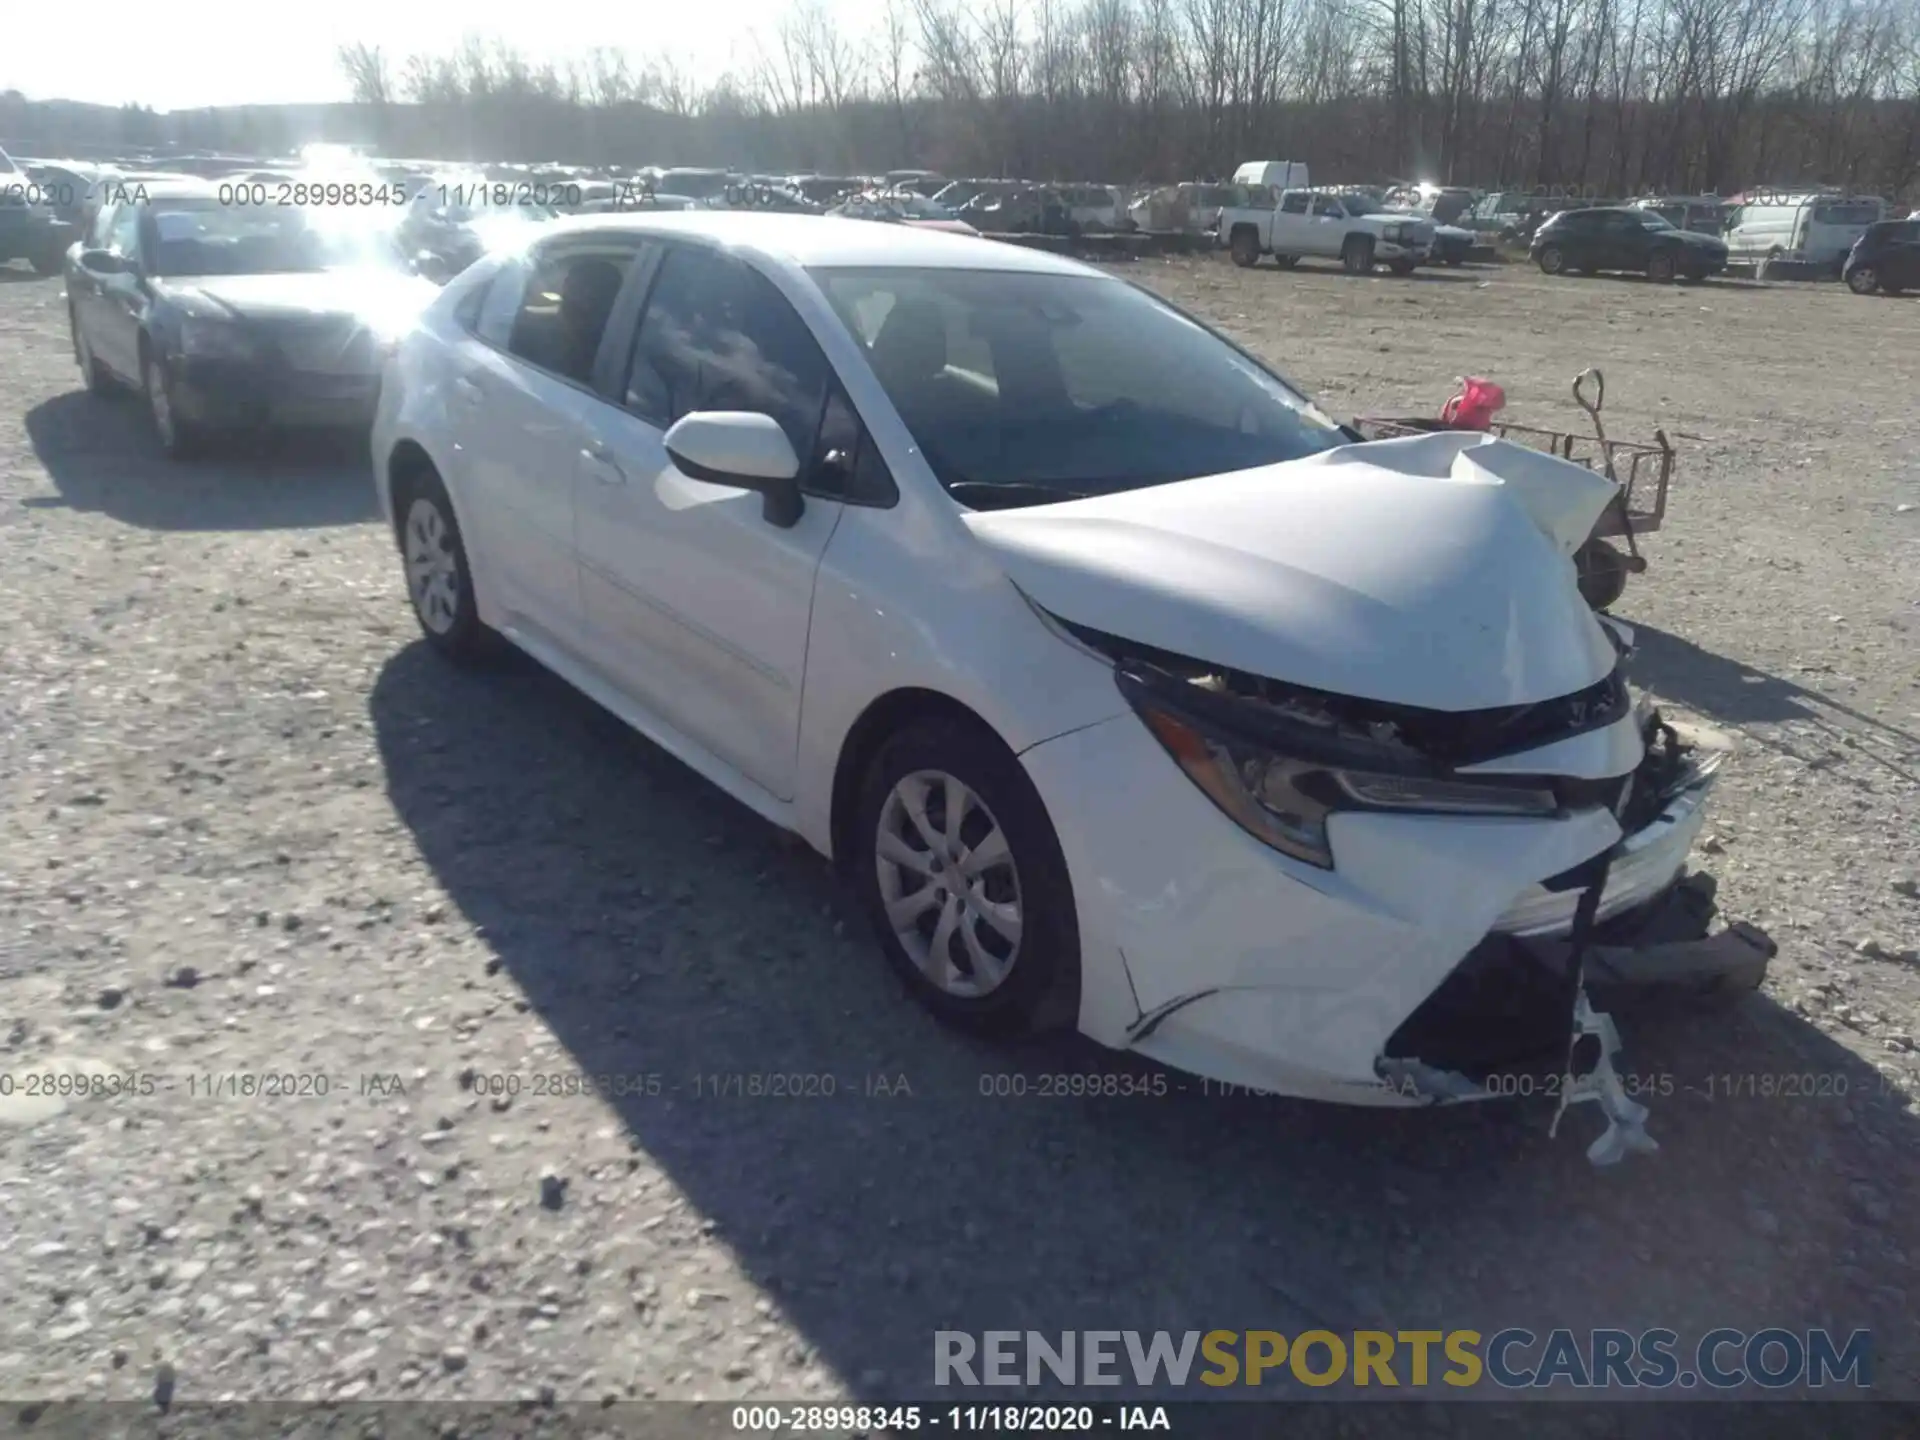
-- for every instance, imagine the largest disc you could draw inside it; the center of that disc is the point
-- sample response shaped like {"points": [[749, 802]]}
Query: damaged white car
{"points": [[1127, 689]]}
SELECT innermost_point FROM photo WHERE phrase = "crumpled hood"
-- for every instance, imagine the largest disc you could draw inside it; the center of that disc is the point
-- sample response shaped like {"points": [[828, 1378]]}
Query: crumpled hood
{"points": [[1431, 571], [376, 296]]}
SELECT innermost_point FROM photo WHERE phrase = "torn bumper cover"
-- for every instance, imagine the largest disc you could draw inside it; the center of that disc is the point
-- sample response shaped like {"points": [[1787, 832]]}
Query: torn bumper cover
{"points": [[1627, 920]]}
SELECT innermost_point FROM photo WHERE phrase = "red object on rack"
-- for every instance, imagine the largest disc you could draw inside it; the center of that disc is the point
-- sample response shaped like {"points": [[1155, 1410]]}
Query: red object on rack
{"points": [[1474, 406]]}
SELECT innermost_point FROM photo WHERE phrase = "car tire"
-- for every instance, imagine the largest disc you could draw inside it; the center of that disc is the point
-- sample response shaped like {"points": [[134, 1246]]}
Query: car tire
{"points": [[1245, 246], [47, 265], [1601, 571], [1401, 267], [1662, 269], [959, 946], [1863, 280], [1357, 255], [439, 576], [92, 373], [179, 440], [1552, 260], [1454, 260], [1286, 262]]}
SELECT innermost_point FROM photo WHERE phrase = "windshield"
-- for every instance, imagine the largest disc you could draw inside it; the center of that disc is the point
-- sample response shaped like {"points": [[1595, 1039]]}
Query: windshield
{"points": [[1022, 389], [1651, 220], [203, 237]]}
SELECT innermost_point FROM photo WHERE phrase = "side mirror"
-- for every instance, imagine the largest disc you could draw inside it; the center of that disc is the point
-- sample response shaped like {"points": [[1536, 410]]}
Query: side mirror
{"points": [[103, 262], [744, 449]]}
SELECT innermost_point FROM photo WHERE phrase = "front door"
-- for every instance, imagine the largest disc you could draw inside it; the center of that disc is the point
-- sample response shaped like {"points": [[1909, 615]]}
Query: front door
{"points": [[696, 605]]}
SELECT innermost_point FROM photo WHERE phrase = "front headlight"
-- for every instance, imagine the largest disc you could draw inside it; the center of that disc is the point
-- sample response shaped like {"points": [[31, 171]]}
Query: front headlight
{"points": [[201, 338], [1284, 801]]}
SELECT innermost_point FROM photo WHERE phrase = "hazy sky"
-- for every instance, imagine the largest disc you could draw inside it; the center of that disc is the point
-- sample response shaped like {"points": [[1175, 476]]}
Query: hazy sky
{"points": [[229, 52]]}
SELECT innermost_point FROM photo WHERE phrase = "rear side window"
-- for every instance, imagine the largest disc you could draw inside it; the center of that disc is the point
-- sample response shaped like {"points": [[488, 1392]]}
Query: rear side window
{"points": [[717, 335], [563, 310]]}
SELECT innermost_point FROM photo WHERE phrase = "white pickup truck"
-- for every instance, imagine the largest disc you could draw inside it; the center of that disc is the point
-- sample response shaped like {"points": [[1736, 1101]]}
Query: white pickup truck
{"points": [[1343, 225]]}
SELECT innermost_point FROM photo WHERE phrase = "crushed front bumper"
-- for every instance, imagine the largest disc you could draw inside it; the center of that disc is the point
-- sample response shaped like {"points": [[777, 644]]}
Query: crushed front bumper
{"points": [[1411, 974]]}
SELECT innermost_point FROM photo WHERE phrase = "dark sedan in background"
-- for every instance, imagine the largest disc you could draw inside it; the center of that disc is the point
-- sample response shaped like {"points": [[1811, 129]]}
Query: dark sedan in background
{"points": [[227, 317], [1885, 260], [1623, 239]]}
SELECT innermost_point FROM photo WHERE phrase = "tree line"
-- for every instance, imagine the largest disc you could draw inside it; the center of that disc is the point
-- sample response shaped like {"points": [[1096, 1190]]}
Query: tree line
{"points": [[1613, 97], [1616, 96]]}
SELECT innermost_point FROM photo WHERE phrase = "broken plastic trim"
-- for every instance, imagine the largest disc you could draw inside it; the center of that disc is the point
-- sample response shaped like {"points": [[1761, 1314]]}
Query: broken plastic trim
{"points": [[1346, 730]]}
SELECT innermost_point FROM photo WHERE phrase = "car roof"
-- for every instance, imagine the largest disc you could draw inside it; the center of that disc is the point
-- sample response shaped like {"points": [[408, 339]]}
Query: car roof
{"points": [[810, 240]]}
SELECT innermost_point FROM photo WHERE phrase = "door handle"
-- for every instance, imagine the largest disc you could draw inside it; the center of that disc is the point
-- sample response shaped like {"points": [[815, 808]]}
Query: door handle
{"points": [[594, 460]]}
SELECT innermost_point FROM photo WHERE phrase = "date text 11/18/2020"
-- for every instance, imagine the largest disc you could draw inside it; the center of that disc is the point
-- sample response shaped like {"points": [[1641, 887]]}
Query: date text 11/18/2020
{"points": [[907, 1419]]}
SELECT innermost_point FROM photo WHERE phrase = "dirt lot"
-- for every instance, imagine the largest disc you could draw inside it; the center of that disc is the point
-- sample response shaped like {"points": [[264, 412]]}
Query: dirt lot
{"points": [[251, 825]]}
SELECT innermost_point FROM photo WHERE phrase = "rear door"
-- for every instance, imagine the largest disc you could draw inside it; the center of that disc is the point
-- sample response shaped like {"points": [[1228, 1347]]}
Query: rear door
{"points": [[697, 606], [524, 393]]}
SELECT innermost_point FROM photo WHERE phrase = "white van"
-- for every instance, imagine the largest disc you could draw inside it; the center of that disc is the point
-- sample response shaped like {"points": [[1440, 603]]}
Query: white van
{"points": [[1819, 228], [1279, 174]]}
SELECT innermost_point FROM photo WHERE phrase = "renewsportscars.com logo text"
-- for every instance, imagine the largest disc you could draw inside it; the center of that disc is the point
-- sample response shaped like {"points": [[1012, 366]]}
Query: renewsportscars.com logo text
{"points": [[1511, 1359]]}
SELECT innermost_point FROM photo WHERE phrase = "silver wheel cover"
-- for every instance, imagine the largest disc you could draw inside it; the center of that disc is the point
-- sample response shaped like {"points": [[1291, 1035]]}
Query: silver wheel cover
{"points": [[949, 884], [433, 572]]}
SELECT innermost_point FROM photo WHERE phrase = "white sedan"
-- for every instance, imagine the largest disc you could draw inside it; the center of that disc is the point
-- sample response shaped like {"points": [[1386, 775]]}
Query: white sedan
{"points": [[1124, 687]]}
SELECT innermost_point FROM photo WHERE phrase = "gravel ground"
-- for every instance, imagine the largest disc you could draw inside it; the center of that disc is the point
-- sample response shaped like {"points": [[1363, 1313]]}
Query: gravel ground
{"points": [[253, 828]]}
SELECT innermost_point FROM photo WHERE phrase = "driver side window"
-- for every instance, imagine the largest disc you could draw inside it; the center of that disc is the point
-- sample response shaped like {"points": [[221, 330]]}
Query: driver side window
{"points": [[1330, 209], [1294, 205]]}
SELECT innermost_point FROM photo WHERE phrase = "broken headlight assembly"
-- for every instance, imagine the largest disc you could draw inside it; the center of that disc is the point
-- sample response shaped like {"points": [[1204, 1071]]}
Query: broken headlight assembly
{"points": [[1280, 787]]}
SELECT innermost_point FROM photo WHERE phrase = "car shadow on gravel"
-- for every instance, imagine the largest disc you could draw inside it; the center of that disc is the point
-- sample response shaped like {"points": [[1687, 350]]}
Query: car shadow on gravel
{"points": [[1737, 693], [101, 455], [660, 929]]}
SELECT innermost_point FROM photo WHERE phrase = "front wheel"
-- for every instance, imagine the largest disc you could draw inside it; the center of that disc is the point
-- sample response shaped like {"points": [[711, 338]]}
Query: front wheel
{"points": [[1401, 267], [961, 874], [1357, 254], [179, 440], [1661, 267], [1552, 260], [1245, 247], [1863, 280]]}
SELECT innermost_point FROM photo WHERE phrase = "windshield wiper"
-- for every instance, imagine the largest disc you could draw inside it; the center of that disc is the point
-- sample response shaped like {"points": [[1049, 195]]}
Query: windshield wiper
{"points": [[1010, 494]]}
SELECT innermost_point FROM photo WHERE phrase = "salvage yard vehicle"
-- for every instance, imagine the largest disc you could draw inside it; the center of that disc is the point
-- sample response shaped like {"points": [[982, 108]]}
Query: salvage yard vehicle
{"points": [[1345, 225], [455, 220], [228, 317], [1815, 230], [1618, 238], [1126, 688], [29, 228], [1885, 260]]}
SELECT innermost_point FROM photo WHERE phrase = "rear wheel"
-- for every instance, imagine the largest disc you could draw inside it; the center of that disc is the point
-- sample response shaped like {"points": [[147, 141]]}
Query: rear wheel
{"points": [[439, 577], [1552, 260], [961, 874], [1863, 280], [1401, 267], [1245, 246], [1357, 254], [1661, 267]]}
